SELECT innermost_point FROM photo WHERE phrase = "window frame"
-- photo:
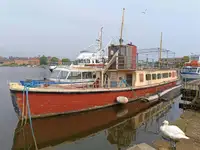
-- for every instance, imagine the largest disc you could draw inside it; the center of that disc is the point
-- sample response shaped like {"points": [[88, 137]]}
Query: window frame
{"points": [[154, 76], [148, 76]]}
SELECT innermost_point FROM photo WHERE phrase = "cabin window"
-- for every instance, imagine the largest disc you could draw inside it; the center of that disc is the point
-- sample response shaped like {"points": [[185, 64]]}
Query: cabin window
{"points": [[87, 75], [63, 74], [148, 77], [170, 74], [88, 61], [153, 76], [165, 75], [141, 77], [55, 74], [74, 75], [158, 76], [94, 75]]}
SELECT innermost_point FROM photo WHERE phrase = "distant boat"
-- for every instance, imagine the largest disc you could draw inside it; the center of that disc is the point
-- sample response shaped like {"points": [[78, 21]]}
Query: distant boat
{"points": [[191, 69]]}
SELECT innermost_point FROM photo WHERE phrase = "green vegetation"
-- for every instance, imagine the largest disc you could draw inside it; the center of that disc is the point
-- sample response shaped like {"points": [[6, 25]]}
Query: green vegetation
{"points": [[65, 60], [43, 60], [54, 60], [186, 58]]}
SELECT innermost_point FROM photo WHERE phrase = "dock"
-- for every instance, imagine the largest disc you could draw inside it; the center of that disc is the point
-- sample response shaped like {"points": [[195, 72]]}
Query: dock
{"points": [[189, 122], [191, 93]]}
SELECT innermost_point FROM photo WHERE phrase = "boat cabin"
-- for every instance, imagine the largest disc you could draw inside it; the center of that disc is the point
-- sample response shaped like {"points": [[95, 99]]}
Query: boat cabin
{"points": [[139, 78], [121, 71], [74, 75], [190, 69]]}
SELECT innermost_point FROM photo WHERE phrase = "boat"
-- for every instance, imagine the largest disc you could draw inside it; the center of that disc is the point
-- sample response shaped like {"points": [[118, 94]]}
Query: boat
{"points": [[191, 69], [93, 55], [119, 78], [70, 128]]}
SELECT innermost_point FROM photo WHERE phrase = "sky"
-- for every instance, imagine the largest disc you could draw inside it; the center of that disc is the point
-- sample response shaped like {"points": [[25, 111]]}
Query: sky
{"points": [[63, 28]]}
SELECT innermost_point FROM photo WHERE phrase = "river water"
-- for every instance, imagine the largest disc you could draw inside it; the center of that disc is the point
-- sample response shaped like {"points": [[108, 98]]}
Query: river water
{"points": [[111, 128]]}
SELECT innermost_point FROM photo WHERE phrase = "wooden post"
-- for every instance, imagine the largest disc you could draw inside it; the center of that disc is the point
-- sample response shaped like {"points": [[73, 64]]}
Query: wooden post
{"points": [[102, 78]]}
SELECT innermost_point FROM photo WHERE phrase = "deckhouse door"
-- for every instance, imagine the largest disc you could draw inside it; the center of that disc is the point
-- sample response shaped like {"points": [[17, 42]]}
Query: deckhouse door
{"points": [[129, 79]]}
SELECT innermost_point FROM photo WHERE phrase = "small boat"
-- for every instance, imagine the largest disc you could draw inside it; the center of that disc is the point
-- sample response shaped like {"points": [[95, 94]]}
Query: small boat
{"points": [[93, 55], [191, 69], [119, 78], [52, 67]]}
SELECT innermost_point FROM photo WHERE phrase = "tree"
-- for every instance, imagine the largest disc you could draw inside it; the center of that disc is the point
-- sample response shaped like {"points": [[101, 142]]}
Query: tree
{"points": [[186, 58], [54, 60], [65, 60], [43, 60]]}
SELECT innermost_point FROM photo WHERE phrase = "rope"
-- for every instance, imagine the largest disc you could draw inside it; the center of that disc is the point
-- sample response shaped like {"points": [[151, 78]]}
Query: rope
{"points": [[23, 101], [29, 115]]}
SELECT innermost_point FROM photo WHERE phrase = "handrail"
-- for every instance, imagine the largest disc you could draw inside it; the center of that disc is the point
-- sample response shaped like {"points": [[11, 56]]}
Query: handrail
{"points": [[110, 62]]}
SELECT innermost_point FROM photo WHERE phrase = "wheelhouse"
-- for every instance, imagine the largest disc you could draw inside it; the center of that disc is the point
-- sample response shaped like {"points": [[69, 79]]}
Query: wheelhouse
{"points": [[73, 75]]}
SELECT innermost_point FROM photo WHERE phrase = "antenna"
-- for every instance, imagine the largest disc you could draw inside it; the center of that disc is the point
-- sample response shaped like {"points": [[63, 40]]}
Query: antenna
{"points": [[160, 61], [121, 40]]}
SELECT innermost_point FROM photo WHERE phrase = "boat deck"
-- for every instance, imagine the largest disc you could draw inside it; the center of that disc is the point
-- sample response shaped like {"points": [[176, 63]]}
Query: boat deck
{"points": [[78, 87]]}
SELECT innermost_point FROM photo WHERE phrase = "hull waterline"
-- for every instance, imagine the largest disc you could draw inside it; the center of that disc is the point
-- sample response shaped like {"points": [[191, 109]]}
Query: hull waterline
{"points": [[43, 104]]}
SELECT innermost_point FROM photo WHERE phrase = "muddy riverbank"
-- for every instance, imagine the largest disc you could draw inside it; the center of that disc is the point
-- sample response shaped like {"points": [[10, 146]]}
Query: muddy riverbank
{"points": [[189, 122]]}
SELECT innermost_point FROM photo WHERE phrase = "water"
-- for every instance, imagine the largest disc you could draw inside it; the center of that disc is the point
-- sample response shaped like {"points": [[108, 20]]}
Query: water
{"points": [[110, 128]]}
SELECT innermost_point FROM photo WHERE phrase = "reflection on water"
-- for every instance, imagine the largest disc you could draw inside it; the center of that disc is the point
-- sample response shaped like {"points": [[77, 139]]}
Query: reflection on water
{"points": [[109, 128]]}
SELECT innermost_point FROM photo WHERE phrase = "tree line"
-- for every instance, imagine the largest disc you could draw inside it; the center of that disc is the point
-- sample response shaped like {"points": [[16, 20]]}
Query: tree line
{"points": [[44, 60]]}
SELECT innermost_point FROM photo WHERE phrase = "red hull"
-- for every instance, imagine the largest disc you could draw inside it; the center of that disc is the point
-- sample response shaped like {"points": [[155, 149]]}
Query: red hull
{"points": [[75, 126], [48, 104]]}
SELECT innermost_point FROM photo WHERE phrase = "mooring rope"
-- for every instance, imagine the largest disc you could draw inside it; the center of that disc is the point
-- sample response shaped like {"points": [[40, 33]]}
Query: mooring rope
{"points": [[23, 107], [29, 115]]}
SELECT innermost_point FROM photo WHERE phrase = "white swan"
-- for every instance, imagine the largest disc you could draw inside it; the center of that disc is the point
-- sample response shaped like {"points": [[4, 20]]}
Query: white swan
{"points": [[172, 132]]}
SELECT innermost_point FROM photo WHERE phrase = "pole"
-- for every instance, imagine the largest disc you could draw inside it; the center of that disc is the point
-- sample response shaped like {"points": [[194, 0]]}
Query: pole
{"points": [[121, 40], [160, 50], [167, 58]]}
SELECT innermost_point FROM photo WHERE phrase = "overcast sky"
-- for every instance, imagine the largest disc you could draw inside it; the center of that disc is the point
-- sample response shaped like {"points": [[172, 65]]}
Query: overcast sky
{"points": [[64, 27]]}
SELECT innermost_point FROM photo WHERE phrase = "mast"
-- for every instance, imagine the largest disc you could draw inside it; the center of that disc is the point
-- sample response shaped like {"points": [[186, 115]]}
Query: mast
{"points": [[121, 40], [100, 43], [99, 40], [160, 61]]}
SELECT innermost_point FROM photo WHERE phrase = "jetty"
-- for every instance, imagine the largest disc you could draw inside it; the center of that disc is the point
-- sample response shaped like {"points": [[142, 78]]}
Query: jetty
{"points": [[191, 94]]}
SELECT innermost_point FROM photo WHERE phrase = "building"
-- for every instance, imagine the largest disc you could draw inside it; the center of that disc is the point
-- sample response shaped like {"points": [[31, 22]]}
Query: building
{"points": [[22, 61], [174, 60], [2, 60], [34, 61]]}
